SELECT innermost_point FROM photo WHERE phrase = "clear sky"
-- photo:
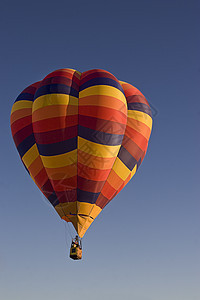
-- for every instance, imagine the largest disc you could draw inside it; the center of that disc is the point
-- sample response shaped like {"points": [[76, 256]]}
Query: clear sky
{"points": [[145, 245]]}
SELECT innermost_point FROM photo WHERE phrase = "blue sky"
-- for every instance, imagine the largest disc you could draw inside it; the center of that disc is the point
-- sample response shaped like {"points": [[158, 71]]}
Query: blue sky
{"points": [[145, 244]]}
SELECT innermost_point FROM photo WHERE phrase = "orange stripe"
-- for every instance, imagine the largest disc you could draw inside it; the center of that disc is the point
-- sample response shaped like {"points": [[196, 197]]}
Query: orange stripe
{"points": [[103, 113], [41, 177], [66, 219], [91, 173], [36, 166], [114, 180], [20, 113], [95, 162], [54, 111], [127, 179], [103, 101], [135, 136], [121, 188], [108, 191], [139, 127], [64, 172], [124, 183], [130, 90]]}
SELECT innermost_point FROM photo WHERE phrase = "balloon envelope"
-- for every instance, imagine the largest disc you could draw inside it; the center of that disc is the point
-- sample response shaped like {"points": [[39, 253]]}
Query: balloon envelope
{"points": [[81, 137]]}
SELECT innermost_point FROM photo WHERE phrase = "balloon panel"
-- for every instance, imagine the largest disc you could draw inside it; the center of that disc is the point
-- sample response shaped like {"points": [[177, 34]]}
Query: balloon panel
{"points": [[81, 137]]}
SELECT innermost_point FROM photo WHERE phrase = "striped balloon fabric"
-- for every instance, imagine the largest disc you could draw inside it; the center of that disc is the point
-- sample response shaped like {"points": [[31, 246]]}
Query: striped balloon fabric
{"points": [[81, 137]]}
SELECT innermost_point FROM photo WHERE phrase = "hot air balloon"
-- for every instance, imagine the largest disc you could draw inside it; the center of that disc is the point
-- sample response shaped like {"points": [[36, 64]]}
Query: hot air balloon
{"points": [[81, 137]]}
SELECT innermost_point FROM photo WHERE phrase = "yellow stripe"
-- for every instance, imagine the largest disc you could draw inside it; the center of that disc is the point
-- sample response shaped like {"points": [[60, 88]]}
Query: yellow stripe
{"points": [[61, 160], [84, 214], [83, 224], [141, 117], [30, 155], [21, 104], [123, 82], [103, 90], [97, 149], [54, 99], [88, 209], [78, 72], [81, 208], [63, 209], [120, 169], [133, 171]]}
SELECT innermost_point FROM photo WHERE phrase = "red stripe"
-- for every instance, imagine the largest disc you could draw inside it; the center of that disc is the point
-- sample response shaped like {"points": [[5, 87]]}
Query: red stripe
{"points": [[104, 113], [102, 201], [20, 123], [90, 185], [138, 138], [63, 73], [56, 136], [132, 147], [31, 89], [20, 114], [41, 178], [55, 123], [108, 191], [22, 134], [94, 74], [91, 173], [102, 125], [65, 184], [47, 188]]}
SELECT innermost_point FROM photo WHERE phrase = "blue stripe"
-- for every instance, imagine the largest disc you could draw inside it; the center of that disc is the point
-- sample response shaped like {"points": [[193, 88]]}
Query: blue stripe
{"points": [[101, 81], [56, 89], [127, 158], [49, 193], [25, 167], [25, 96], [139, 163], [53, 199], [140, 107], [87, 197], [100, 137], [27, 143], [57, 148]]}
